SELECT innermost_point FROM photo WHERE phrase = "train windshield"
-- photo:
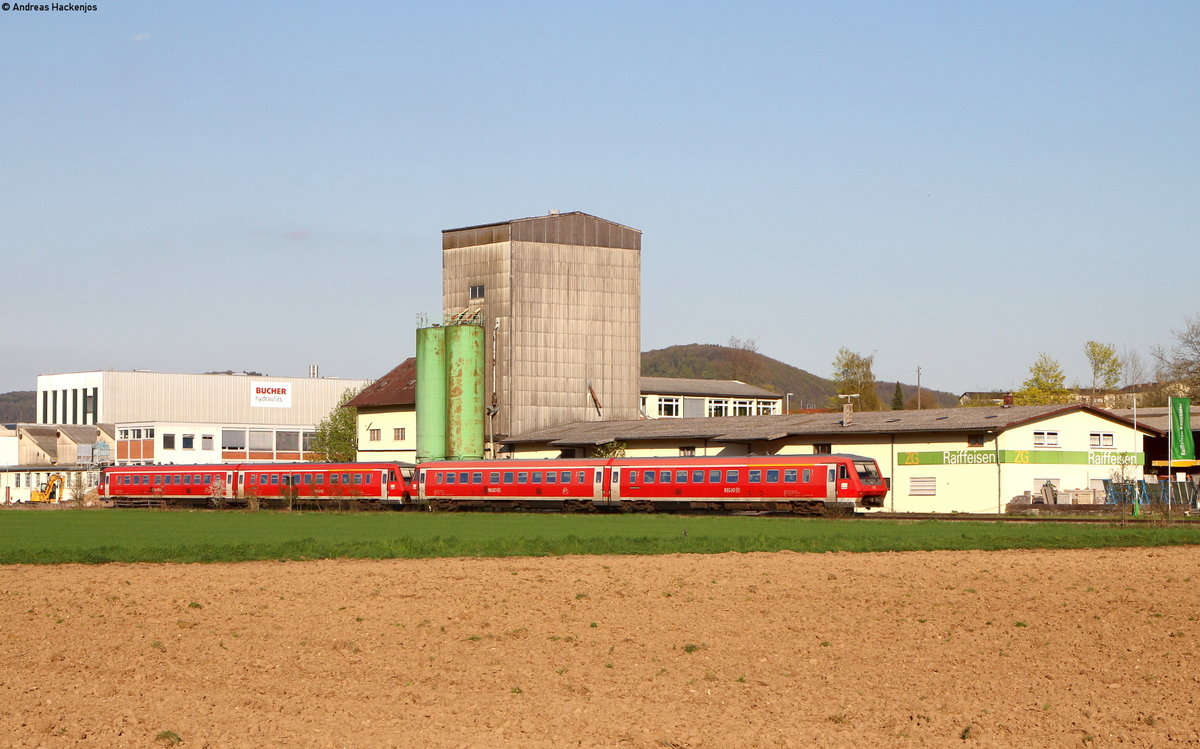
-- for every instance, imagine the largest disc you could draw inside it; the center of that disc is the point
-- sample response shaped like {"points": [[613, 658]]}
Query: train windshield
{"points": [[867, 472]]}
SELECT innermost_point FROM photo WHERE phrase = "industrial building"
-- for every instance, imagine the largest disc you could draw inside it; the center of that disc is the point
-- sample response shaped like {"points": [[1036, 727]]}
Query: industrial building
{"points": [[559, 298], [160, 417]]}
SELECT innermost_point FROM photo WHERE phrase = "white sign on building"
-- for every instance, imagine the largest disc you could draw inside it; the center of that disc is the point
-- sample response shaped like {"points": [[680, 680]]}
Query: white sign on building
{"points": [[271, 394]]}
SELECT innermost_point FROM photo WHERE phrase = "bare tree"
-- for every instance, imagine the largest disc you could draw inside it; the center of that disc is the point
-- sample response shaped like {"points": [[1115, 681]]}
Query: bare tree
{"points": [[1181, 364], [745, 363]]}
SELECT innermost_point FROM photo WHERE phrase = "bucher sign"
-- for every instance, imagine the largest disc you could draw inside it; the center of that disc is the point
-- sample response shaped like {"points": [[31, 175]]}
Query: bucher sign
{"points": [[271, 394]]}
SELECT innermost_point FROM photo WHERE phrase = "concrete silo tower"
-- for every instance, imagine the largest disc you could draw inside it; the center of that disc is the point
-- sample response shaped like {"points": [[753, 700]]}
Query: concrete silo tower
{"points": [[565, 290]]}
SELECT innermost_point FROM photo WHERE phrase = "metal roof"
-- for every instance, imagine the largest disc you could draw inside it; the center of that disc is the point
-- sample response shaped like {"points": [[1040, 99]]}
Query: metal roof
{"points": [[1158, 417], [396, 388], [776, 427], [697, 387]]}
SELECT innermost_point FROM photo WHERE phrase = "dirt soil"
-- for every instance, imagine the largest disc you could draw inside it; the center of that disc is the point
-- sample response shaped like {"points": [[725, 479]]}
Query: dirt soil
{"points": [[1030, 648]]}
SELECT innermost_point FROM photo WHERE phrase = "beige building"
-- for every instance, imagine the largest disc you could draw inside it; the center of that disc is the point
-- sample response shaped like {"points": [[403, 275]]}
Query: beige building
{"points": [[678, 397], [937, 460], [560, 297], [386, 416]]}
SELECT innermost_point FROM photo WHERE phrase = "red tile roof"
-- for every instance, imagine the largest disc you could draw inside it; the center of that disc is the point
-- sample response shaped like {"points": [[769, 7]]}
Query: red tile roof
{"points": [[396, 388]]}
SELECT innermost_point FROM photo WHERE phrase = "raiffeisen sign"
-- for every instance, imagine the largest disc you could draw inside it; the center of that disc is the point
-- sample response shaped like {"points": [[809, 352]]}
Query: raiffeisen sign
{"points": [[271, 394]]}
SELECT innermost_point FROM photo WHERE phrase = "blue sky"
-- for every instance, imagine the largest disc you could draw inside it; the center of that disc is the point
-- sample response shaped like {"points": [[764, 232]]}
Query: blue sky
{"points": [[955, 186]]}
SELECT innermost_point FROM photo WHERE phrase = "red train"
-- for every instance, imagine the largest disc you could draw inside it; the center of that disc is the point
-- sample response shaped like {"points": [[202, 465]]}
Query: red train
{"points": [[316, 481], [807, 484]]}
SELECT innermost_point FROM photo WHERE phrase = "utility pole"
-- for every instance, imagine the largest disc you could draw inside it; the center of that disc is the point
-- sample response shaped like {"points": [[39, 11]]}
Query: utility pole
{"points": [[918, 388], [787, 400]]}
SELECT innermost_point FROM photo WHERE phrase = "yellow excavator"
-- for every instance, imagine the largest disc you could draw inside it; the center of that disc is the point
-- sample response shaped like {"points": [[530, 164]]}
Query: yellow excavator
{"points": [[49, 491]]}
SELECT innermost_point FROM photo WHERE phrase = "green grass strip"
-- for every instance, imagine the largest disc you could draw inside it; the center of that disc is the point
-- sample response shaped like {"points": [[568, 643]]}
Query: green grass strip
{"points": [[94, 537]]}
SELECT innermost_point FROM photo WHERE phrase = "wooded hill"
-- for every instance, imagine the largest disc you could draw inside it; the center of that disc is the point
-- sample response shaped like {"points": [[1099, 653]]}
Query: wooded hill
{"points": [[19, 406], [711, 362]]}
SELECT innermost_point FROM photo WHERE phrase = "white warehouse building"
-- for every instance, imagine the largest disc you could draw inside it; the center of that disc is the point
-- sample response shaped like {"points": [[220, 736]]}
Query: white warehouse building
{"points": [[161, 417]]}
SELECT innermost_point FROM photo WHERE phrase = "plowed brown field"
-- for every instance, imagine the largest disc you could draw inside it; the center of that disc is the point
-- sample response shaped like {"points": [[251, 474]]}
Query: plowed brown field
{"points": [[1035, 648]]}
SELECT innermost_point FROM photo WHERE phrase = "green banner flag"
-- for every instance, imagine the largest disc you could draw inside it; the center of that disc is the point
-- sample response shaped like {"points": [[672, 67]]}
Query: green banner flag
{"points": [[1182, 446]]}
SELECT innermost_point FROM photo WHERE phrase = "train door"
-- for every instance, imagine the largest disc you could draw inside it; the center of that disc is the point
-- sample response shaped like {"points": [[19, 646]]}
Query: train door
{"points": [[830, 483], [230, 489], [614, 493], [598, 486], [383, 483]]}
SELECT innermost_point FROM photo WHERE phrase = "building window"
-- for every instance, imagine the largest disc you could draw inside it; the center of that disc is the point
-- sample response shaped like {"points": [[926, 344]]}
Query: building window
{"points": [[687, 451], [373, 434], [189, 442], [262, 441], [668, 407], [135, 434], [168, 442], [1100, 439], [718, 407], [766, 408], [1045, 439], [122, 434], [306, 439], [287, 441], [976, 440], [206, 442], [823, 448], [398, 434], [17, 480], [743, 408], [233, 439], [922, 486], [149, 433], [477, 291]]}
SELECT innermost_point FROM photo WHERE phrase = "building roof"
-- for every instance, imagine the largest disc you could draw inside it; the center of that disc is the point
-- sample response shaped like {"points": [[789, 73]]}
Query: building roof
{"points": [[1158, 417], [44, 436], [768, 428], [571, 228], [80, 435], [396, 388]]}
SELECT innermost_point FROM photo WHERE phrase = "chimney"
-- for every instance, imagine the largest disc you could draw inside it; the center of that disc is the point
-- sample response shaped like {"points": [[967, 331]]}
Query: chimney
{"points": [[847, 413]]}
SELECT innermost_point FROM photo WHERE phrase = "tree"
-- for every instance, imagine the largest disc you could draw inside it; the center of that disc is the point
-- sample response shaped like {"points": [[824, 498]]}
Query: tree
{"points": [[613, 449], [745, 365], [852, 373], [1046, 384], [1106, 365], [336, 438], [1181, 364], [898, 399]]}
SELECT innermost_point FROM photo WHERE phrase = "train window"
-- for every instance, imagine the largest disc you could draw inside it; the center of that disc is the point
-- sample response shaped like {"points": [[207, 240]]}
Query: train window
{"points": [[197, 479], [807, 475], [285, 480], [494, 477], [308, 479], [252, 479], [137, 480], [789, 475], [391, 474], [664, 477], [565, 477], [274, 478], [508, 477], [333, 478], [320, 480], [451, 477], [731, 476], [522, 477], [464, 478], [650, 477], [714, 476], [697, 477], [681, 477], [772, 475], [754, 475], [842, 472], [537, 477], [157, 479], [368, 478], [868, 473], [208, 478], [345, 478], [295, 479], [632, 476], [187, 479], [582, 477], [551, 477], [477, 477], [358, 478]]}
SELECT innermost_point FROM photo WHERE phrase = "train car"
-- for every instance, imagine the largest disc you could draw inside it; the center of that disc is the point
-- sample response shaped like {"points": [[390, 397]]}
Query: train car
{"points": [[384, 482], [804, 484]]}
